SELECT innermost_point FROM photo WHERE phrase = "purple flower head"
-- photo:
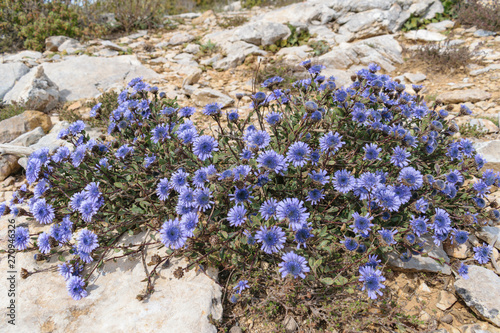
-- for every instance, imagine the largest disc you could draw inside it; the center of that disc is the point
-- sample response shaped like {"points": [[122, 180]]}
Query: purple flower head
{"points": [[272, 239], [400, 157], [187, 111], [124, 151], [314, 196], [330, 143], [483, 253], [212, 109], [242, 285], [241, 195], [319, 177], [21, 238], [463, 271], [270, 160], [179, 180], [274, 118], [411, 178], [88, 208], [87, 241], [42, 211], [43, 243], [268, 208], [173, 234], [372, 281], [298, 154], [388, 236], [163, 188], [189, 222], [258, 139], [302, 234], [204, 146], [294, 265], [292, 210], [371, 152], [442, 222], [362, 224], [202, 199], [160, 133], [343, 181], [237, 216], [76, 287], [419, 225]]}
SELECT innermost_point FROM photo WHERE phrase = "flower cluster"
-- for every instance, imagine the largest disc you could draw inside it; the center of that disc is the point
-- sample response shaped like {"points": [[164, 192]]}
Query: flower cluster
{"points": [[311, 172]]}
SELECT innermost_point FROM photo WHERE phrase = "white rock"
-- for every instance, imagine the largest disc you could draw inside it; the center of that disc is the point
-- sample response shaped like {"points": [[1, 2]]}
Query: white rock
{"points": [[205, 96], [261, 33], [192, 48], [28, 138], [488, 234], [481, 293], [9, 74], [440, 26], [180, 38], [23, 56], [425, 36], [415, 77], [295, 53], [52, 43], [112, 46], [36, 90], [70, 46], [445, 300]]}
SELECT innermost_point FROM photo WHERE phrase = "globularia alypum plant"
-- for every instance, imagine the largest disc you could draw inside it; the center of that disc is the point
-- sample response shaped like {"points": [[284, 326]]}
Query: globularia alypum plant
{"points": [[310, 175]]}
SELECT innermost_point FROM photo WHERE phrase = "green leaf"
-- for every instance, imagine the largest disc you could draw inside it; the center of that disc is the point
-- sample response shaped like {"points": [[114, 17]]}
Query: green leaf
{"points": [[340, 281], [328, 281]]}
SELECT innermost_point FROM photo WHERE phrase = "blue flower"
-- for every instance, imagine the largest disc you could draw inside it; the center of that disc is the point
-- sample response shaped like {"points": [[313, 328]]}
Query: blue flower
{"points": [[250, 238], [419, 225], [173, 234], [271, 81], [481, 188], [268, 208], [400, 157], [272, 239], [454, 177], [463, 271], [186, 197], [330, 143], [461, 236], [480, 161], [124, 151], [482, 253], [258, 139], [403, 192], [43, 212], [148, 160], [160, 133], [241, 171], [467, 147], [87, 241], [350, 243], [163, 188], [187, 136], [179, 180], [371, 152], [343, 181], [66, 270], [76, 127], [362, 224], [187, 111], [88, 208], [387, 199], [21, 238], [411, 178], [316, 69], [421, 205], [233, 116], [368, 180], [388, 236], [292, 210], [302, 234], [241, 195], [242, 285], [212, 109], [43, 243], [246, 154], [372, 281], [298, 154], [236, 216], [62, 232], [271, 160], [273, 118], [319, 177], [373, 261], [202, 198], [95, 108], [61, 154], [294, 265], [441, 221], [204, 146], [75, 286], [314, 196], [225, 175], [189, 222]]}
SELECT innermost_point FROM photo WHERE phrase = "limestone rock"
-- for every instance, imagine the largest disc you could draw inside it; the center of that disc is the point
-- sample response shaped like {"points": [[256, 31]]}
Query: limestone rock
{"points": [[491, 152], [112, 46], [484, 125], [420, 263], [91, 76], [488, 234], [9, 74], [13, 127], [425, 36], [25, 55], [440, 26], [52, 43], [236, 54], [206, 17], [295, 53], [70, 46], [28, 138], [192, 48], [8, 165], [205, 96], [192, 77], [481, 293], [415, 77], [261, 33], [455, 250], [35, 90], [445, 300], [463, 96], [180, 38]]}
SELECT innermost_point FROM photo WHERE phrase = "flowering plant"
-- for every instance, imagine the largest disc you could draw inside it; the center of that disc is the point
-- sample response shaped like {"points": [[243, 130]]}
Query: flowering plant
{"points": [[308, 176]]}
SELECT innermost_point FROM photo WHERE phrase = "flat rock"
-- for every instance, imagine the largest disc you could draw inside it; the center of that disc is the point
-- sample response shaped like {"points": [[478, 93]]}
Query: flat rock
{"points": [[490, 150], [455, 250], [236, 54], [484, 124], [488, 234], [112, 46], [35, 90], [440, 26], [261, 33], [13, 127], [481, 293], [415, 77], [177, 305], [423, 264], [9, 74], [29, 138], [52, 43], [205, 96], [295, 53], [425, 36], [192, 48], [463, 96], [486, 69], [91, 76], [445, 300], [8, 165], [180, 38], [484, 33], [24, 56], [70, 46]]}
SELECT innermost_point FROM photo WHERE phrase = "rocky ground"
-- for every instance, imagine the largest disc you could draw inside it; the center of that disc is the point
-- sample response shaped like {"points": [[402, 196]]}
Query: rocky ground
{"points": [[200, 62]]}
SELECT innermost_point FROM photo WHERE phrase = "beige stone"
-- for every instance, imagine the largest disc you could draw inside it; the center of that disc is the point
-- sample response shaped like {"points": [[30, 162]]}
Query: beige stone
{"points": [[445, 300], [12, 127]]}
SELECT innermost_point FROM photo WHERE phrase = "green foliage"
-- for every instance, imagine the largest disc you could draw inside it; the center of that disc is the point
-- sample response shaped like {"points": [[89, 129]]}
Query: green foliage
{"points": [[415, 22], [10, 110], [319, 47], [297, 37], [232, 21], [208, 48]]}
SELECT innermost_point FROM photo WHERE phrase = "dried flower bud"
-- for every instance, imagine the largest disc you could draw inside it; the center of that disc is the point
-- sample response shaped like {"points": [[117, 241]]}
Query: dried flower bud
{"points": [[179, 273], [24, 273], [214, 240]]}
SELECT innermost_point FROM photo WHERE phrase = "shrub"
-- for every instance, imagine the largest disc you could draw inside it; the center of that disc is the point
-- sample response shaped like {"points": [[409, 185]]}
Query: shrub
{"points": [[10, 110], [314, 186], [443, 57], [482, 14]]}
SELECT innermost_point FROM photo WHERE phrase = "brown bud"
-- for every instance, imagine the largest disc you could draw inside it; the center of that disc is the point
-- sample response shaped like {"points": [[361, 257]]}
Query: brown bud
{"points": [[214, 240], [494, 204], [53, 242], [449, 107], [354, 77], [140, 297], [24, 273], [155, 260], [179, 272]]}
